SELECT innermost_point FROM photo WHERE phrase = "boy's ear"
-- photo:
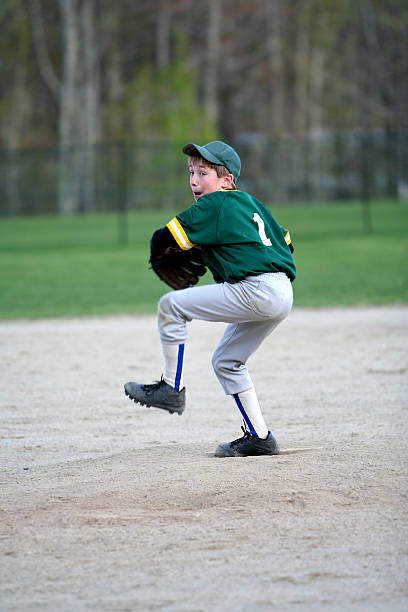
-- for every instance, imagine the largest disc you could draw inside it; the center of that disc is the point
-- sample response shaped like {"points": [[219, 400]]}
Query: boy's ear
{"points": [[228, 181]]}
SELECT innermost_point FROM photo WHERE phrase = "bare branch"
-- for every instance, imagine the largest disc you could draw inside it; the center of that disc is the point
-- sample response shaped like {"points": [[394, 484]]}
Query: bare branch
{"points": [[44, 63]]}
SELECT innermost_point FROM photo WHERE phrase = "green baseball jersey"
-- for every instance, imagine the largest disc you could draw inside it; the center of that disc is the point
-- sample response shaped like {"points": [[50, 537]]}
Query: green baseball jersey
{"points": [[238, 235]]}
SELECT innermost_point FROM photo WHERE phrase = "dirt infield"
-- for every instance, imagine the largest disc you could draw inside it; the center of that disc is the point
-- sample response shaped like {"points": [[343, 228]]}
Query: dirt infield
{"points": [[109, 506]]}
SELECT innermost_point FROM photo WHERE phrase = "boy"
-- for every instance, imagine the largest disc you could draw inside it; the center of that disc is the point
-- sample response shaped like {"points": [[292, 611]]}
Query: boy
{"points": [[250, 257]]}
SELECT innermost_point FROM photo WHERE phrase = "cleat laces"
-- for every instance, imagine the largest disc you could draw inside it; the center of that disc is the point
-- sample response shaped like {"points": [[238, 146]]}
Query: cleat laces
{"points": [[149, 389], [238, 440]]}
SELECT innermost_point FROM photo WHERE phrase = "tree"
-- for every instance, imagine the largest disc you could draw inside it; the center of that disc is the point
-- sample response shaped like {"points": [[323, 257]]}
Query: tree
{"points": [[76, 93], [79, 72]]}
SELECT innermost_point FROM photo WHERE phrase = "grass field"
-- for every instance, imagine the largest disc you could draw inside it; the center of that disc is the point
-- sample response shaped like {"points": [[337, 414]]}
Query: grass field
{"points": [[55, 266]]}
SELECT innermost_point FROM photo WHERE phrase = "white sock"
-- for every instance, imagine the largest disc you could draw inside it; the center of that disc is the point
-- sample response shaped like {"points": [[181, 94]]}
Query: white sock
{"points": [[173, 355], [248, 404]]}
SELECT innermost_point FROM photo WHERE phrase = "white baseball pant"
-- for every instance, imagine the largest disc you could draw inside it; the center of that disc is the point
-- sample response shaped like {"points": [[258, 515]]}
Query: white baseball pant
{"points": [[252, 308]]}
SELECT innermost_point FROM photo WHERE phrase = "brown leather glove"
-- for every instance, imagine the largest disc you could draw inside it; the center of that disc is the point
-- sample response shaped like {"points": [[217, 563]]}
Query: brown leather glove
{"points": [[179, 269]]}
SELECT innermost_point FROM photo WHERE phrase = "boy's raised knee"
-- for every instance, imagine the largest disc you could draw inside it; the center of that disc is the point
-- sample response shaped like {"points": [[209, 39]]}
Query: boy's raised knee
{"points": [[165, 304]]}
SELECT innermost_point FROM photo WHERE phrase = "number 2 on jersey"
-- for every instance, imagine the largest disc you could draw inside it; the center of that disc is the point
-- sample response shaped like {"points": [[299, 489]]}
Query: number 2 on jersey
{"points": [[261, 229]]}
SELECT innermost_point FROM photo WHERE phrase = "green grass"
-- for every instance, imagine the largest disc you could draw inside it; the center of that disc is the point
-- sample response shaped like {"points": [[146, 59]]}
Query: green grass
{"points": [[54, 266]]}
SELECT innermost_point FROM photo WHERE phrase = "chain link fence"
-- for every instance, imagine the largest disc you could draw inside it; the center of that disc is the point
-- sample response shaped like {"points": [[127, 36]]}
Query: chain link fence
{"points": [[131, 176]]}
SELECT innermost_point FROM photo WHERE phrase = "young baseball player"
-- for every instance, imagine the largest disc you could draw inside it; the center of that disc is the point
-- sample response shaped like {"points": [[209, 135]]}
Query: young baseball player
{"points": [[250, 257]]}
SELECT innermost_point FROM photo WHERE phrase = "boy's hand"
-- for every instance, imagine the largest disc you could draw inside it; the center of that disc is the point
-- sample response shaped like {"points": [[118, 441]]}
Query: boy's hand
{"points": [[179, 269]]}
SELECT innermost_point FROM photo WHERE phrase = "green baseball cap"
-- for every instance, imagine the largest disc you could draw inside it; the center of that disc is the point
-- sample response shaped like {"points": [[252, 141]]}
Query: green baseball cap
{"points": [[219, 153]]}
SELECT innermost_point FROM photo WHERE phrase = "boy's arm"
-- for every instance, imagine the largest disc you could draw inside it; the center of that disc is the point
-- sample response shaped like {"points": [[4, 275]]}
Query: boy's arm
{"points": [[288, 241], [179, 235]]}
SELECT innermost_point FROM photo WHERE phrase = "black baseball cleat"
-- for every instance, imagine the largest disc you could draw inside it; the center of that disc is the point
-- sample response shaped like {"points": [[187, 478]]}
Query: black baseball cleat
{"points": [[159, 395], [247, 446]]}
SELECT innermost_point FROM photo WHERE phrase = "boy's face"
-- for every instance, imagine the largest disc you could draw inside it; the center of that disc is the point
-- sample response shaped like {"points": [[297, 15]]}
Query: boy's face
{"points": [[204, 180]]}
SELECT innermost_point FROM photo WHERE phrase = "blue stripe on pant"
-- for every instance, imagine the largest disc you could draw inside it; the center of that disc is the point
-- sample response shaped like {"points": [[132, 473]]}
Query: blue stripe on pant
{"points": [[179, 370]]}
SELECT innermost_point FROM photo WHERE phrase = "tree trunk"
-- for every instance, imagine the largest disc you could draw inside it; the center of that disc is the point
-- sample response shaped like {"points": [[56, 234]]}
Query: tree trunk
{"points": [[89, 114], [12, 131], [43, 59], [69, 98], [211, 69], [163, 35], [274, 46], [301, 78], [316, 89]]}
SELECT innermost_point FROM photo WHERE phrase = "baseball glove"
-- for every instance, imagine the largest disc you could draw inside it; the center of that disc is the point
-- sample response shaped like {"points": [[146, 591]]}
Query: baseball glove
{"points": [[179, 269]]}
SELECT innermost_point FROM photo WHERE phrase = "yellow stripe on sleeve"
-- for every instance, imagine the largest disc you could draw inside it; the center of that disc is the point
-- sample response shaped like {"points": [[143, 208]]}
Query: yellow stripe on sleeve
{"points": [[287, 238], [179, 234]]}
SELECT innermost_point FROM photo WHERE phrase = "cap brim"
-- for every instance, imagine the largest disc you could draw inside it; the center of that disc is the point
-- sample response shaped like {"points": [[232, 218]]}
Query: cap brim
{"points": [[193, 149], [190, 149]]}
